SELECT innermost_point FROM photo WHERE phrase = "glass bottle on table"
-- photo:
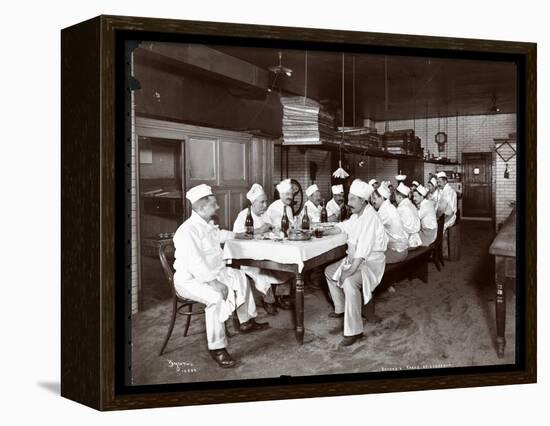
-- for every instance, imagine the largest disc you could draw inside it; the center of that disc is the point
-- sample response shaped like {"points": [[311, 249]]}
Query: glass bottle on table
{"points": [[249, 224], [343, 213], [285, 223], [305, 219], [324, 214]]}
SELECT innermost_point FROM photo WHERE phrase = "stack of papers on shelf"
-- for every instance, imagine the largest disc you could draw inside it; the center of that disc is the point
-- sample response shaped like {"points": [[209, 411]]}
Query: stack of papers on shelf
{"points": [[304, 121]]}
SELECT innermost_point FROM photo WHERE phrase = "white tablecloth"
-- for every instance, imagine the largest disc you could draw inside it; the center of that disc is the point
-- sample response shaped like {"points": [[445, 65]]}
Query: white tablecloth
{"points": [[289, 252]]}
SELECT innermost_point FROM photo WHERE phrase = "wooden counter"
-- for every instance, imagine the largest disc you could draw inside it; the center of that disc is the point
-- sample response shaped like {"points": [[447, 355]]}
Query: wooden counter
{"points": [[504, 250]]}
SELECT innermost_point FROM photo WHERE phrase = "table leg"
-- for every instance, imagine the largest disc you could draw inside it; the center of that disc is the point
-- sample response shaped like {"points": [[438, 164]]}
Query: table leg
{"points": [[299, 308], [500, 303]]}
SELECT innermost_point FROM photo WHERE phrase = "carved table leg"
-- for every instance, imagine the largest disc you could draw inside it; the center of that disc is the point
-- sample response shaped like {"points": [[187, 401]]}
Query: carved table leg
{"points": [[500, 303], [299, 307]]}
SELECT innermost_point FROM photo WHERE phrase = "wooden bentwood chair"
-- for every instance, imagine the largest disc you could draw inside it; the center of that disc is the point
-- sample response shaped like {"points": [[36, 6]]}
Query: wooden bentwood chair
{"points": [[180, 305]]}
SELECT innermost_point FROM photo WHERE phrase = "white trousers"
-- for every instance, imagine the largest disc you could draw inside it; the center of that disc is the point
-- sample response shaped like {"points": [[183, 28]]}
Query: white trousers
{"points": [[263, 279], [347, 298], [217, 308]]}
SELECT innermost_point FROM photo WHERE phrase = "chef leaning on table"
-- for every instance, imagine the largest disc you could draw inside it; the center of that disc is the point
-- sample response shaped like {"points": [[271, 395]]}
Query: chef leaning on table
{"points": [[275, 210], [201, 274], [408, 214], [336, 203], [313, 204], [447, 200], [398, 240], [426, 213], [353, 278], [263, 279]]}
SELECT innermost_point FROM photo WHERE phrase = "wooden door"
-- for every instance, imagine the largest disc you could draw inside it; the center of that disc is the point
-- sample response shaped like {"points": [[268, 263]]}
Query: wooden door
{"points": [[477, 184], [413, 169]]}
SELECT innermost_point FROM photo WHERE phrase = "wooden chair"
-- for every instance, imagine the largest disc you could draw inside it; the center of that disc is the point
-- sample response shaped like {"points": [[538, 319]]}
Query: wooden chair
{"points": [[178, 303]]}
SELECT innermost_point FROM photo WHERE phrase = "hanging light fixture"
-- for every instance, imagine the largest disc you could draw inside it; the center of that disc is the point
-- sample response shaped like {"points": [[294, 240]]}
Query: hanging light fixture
{"points": [[340, 173]]}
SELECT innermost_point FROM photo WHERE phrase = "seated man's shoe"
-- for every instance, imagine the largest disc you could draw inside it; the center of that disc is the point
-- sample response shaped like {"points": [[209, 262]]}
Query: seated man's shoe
{"points": [[252, 325], [350, 340], [223, 358], [283, 302], [335, 315], [270, 308]]}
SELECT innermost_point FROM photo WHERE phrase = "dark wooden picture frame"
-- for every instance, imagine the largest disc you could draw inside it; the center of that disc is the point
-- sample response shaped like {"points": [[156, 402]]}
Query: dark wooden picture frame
{"points": [[95, 227]]}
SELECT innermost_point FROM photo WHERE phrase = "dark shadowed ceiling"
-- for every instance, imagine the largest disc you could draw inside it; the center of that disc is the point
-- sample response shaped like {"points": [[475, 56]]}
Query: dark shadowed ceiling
{"points": [[416, 86]]}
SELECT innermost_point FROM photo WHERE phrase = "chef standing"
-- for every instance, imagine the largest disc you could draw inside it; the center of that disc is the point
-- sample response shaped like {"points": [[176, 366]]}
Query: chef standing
{"points": [[336, 203], [408, 214], [354, 278], [263, 279], [201, 274], [447, 205], [426, 213], [313, 204], [275, 210], [433, 191], [398, 240]]}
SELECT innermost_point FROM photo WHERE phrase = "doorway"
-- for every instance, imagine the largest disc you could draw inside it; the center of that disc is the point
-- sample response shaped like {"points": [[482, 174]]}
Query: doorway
{"points": [[477, 199]]}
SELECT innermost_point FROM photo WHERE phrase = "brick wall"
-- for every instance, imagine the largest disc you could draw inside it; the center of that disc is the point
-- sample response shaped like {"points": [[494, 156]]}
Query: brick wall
{"points": [[472, 133], [298, 168]]}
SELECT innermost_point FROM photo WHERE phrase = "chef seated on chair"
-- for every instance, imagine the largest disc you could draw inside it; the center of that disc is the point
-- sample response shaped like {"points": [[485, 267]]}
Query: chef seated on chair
{"points": [[374, 183], [313, 204], [398, 240], [352, 279], [414, 185], [433, 192], [426, 213], [275, 210], [201, 274], [262, 278], [336, 203], [408, 214]]}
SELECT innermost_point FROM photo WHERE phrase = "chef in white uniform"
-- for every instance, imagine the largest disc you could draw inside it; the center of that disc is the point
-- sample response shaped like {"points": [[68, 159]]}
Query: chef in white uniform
{"points": [[275, 210], [313, 204], [355, 277], [408, 214], [336, 203], [426, 213], [201, 274], [262, 278], [374, 183], [398, 240], [433, 191], [447, 204]]}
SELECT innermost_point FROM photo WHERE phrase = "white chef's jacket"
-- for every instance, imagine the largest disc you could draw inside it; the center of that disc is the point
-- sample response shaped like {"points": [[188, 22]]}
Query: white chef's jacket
{"points": [[447, 205], [199, 259], [313, 212], [262, 278], [434, 197], [398, 238], [259, 221], [274, 213], [428, 222], [367, 240], [333, 208], [410, 220]]}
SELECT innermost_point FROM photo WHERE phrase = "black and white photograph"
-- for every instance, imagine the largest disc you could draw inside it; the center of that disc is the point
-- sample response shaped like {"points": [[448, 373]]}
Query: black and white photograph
{"points": [[312, 212]]}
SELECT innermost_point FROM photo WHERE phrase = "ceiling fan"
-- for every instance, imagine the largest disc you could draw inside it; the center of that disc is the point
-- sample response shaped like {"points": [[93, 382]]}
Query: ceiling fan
{"points": [[280, 69]]}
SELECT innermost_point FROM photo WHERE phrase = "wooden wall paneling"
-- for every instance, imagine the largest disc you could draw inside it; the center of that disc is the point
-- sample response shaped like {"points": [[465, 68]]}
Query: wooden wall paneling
{"points": [[233, 162], [201, 161]]}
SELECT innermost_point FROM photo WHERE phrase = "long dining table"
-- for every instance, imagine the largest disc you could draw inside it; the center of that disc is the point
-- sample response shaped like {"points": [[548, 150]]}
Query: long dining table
{"points": [[285, 255]]}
